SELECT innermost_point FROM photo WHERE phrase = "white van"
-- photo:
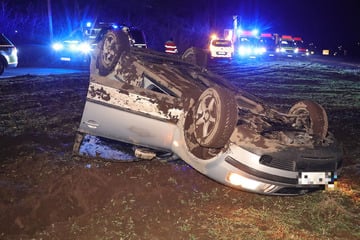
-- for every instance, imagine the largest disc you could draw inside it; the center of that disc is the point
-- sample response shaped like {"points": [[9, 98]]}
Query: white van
{"points": [[221, 48]]}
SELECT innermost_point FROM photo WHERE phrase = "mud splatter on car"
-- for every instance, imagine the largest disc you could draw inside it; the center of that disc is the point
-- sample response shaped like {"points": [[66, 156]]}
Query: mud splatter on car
{"points": [[175, 104]]}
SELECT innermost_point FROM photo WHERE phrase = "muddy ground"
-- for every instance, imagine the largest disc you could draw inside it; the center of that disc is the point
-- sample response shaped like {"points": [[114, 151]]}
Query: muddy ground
{"points": [[47, 194]]}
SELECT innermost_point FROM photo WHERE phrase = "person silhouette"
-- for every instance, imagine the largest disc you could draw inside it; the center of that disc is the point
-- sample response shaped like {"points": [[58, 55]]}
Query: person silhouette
{"points": [[170, 47]]}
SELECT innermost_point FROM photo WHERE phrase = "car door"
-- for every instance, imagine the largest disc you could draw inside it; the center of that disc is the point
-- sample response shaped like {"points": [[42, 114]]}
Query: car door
{"points": [[140, 113]]}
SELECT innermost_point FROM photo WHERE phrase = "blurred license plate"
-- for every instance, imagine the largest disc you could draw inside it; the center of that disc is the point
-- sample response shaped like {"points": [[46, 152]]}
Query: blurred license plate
{"points": [[318, 178], [221, 53]]}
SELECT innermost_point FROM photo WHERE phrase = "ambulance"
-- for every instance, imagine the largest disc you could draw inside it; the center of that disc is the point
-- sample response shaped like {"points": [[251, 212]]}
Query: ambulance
{"points": [[302, 49], [287, 47]]}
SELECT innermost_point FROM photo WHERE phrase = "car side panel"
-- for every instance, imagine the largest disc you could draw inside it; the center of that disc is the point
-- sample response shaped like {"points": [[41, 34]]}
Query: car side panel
{"points": [[126, 126]]}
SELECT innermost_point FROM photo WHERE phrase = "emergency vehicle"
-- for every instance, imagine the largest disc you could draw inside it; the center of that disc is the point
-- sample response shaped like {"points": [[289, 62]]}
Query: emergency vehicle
{"points": [[269, 43], [287, 46], [77, 47], [221, 48], [302, 49], [247, 43]]}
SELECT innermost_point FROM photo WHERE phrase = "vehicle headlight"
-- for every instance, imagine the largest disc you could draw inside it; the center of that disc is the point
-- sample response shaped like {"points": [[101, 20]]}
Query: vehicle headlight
{"points": [[244, 50], [73, 47], [85, 47], [246, 183], [260, 50], [239, 180], [296, 50], [57, 46]]}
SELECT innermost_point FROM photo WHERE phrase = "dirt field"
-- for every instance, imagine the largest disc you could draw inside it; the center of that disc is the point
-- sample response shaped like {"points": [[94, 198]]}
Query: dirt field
{"points": [[46, 194]]}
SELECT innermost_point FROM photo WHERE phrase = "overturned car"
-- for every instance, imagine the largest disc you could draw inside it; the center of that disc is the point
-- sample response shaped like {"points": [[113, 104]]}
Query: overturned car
{"points": [[174, 104]]}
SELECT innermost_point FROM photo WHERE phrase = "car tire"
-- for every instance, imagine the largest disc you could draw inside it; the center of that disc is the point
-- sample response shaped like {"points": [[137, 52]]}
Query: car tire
{"points": [[112, 46], [2, 66], [195, 56], [214, 117], [311, 116]]}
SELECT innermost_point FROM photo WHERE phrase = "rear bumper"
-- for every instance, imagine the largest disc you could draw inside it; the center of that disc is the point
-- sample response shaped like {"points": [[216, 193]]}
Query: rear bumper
{"points": [[220, 54]]}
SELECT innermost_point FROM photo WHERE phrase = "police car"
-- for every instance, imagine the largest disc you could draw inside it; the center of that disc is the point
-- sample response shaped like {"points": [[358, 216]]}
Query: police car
{"points": [[78, 46], [8, 54]]}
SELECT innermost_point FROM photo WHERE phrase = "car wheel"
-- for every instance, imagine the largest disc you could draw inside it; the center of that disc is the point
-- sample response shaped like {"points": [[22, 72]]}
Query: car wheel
{"points": [[214, 117], [2, 67], [112, 46], [195, 56], [312, 117]]}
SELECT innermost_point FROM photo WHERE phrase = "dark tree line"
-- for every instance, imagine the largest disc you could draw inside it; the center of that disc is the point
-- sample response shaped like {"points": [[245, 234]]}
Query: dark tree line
{"points": [[188, 22], [22, 22]]}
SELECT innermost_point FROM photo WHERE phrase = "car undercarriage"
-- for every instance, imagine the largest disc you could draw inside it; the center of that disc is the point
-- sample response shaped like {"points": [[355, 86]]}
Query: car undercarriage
{"points": [[175, 104]]}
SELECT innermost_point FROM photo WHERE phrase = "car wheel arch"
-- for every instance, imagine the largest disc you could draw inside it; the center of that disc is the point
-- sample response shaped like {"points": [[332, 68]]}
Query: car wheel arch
{"points": [[316, 120]]}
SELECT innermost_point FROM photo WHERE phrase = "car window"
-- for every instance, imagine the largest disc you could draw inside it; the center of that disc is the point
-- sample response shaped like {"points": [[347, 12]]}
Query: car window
{"points": [[138, 36], [92, 33], [152, 85], [300, 44], [101, 34], [288, 43], [77, 35], [220, 43], [4, 40]]}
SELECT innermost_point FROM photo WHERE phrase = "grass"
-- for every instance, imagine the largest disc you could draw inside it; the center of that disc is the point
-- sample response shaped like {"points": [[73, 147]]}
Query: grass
{"points": [[321, 215]]}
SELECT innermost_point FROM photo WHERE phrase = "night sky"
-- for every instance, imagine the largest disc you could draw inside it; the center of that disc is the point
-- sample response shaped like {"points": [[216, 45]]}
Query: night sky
{"points": [[325, 22]]}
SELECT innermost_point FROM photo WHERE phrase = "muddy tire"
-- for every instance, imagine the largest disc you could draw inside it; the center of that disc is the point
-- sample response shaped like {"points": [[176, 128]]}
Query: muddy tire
{"points": [[312, 117], [112, 46], [214, 118], [195, 56]]}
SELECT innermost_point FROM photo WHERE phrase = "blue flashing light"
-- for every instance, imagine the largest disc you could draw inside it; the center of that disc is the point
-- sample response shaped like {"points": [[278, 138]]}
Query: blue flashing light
{"points": [[88, 24], [255, 32], [251, 50], [244, 51], [114, 26], [57, 46], [85, 47]]}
